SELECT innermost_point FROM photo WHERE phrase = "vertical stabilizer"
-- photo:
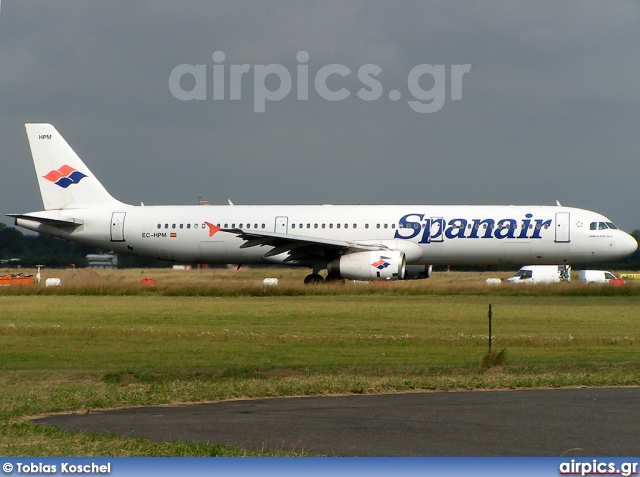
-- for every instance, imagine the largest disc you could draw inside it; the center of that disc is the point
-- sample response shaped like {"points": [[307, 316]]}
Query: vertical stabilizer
{"points": [[65, 181]]}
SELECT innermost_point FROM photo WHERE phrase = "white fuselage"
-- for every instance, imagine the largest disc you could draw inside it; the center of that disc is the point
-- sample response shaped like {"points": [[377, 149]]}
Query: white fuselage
{"points": [[428, 234]]}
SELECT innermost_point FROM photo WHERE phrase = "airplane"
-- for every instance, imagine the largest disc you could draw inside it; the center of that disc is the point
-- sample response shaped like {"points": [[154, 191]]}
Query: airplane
{"points": [[360, 242]]}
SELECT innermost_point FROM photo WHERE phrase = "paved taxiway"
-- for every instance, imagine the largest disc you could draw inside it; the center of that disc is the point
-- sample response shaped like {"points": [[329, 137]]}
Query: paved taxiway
{"points": [[571, 422]]}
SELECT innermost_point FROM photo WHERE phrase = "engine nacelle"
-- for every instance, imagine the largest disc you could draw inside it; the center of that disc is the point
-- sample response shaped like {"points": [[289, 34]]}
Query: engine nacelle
{"points": [[369, 266], [417, 272]]}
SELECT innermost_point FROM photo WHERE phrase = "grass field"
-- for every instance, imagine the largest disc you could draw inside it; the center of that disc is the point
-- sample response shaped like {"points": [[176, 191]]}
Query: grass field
{"points": [[104, 341]]}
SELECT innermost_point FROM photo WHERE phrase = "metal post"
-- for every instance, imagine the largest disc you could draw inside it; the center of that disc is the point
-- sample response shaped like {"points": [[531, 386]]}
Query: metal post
{"points": [[490, 316], [38, 276]]}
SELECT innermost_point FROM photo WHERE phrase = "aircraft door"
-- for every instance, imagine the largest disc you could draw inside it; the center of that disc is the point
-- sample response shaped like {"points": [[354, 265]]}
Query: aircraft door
{"points": [[117, 226], [563, 232], [282, 225], [436, 230]]}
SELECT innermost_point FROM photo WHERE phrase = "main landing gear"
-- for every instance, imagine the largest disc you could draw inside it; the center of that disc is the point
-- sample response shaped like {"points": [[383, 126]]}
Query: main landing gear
{"points": [[313, 279], [316, 279]]}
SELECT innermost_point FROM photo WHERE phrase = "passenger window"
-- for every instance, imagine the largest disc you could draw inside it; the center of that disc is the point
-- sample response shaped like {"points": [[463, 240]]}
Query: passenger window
{"points": [[315, 226], [366, 226], [330, 226], [293, 226], [189, 226], [337, 226], [355, 226], [166, 226], [181, 226], [346, 226], [159, 226], [323, 226], [308, 226]]}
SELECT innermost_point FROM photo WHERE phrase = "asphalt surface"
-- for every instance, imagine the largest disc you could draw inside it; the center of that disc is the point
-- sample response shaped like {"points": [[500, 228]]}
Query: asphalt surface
{"points": [[569, 422]]}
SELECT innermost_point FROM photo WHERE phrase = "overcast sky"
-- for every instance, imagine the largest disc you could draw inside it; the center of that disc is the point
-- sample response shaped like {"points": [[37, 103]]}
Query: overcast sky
{"points": [[550, 108]]}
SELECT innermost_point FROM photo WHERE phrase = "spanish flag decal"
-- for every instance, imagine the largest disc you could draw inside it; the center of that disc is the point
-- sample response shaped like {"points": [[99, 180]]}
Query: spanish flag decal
{"points": [[173, 235]]}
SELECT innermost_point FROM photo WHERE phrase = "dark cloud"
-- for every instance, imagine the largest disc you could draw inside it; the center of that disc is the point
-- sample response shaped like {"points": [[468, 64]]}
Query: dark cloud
{"points": [[550, 109]]}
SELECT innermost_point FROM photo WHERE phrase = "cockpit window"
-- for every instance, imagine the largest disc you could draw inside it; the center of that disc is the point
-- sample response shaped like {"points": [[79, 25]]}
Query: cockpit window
{"points": [[602, 226]]}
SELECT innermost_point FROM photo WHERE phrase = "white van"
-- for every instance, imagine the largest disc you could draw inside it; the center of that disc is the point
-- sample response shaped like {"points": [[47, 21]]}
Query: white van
{"points": [[542, 274], [599, 276]]}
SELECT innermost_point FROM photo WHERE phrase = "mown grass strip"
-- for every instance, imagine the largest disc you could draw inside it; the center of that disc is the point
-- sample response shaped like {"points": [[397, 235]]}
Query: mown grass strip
{"points": [[67, 351]]}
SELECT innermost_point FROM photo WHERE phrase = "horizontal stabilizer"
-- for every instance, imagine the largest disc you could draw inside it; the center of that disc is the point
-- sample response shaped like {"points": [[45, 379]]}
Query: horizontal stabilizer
{"points": [[47, 220]]}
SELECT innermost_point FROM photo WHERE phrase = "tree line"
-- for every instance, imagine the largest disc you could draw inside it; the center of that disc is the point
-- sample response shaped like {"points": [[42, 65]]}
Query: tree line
{"points": [[32, 250]]}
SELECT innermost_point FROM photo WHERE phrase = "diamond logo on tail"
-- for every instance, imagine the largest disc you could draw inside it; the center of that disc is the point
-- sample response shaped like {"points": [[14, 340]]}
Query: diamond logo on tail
{"points": [[65, 176]]}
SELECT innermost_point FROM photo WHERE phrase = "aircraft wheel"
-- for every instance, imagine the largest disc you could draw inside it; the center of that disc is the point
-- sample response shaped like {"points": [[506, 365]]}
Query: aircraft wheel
{"points": [[333, 279], [313, 279]]}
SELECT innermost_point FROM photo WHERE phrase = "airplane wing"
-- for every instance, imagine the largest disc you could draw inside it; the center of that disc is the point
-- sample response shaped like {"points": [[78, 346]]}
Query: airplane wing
{"points": [[301, 248]]}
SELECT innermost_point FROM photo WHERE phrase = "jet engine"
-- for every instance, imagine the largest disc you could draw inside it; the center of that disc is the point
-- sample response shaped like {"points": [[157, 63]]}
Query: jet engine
{"points": [[378, 265], [418, 272]]}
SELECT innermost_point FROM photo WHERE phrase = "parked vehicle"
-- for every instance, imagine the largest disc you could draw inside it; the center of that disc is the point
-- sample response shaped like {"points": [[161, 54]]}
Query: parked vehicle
{"points": [[542, 274], [599, 276]]}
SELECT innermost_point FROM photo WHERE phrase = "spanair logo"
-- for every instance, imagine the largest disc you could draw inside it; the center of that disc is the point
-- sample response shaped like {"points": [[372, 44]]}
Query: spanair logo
{"points": [[380, 264], [65, 176]]}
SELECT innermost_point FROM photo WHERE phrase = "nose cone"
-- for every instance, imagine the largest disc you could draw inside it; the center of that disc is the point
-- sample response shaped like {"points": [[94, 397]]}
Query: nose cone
{"points": [[628, 245]]}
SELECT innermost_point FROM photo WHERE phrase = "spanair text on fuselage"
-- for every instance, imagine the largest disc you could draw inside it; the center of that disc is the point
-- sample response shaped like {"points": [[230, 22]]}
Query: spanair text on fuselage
{"points": [[360, 242]]}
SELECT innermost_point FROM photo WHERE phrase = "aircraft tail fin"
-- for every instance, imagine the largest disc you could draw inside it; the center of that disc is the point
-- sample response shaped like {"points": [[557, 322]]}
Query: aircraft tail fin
{"points": [[65, 181]]}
